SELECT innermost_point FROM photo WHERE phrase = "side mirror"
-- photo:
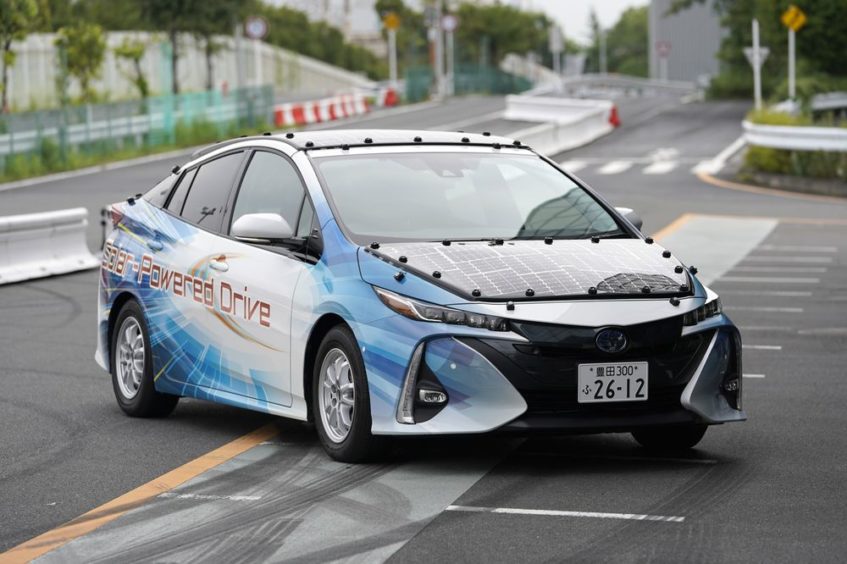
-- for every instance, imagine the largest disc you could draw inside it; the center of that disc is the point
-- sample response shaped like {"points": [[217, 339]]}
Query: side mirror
{"points": [[261, 228], [633, 217]]}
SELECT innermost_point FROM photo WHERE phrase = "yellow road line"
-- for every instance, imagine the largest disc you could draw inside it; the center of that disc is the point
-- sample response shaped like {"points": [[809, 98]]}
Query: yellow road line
{"points": [[111, 510], [674, 226], [721, 183]]}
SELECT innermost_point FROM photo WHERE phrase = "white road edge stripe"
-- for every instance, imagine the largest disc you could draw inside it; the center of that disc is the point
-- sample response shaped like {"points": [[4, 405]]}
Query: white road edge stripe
{"points": [[553, 513], [784, 293], [207, 497], [782, 269], [775, 280], [812, 248], [765, 309], [759, 376], [763, 347], [779, 258]]}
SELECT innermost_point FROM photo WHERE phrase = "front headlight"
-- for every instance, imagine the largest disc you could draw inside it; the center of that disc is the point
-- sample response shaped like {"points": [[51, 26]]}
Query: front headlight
{"points": [[423, 311], [710, 309]]}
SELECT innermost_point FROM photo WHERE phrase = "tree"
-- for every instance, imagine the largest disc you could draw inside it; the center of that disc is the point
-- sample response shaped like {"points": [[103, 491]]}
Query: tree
{"points": [[821, 44], [627, 43], [84, 46], [508, 29], [173, 17], [132, 50], [17, 18], [214, 17]]}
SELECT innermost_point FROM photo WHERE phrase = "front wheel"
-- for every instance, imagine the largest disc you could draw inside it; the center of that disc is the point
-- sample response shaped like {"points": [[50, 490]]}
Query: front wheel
{"points": [[670, 438], [340, 403], [132, 367]]}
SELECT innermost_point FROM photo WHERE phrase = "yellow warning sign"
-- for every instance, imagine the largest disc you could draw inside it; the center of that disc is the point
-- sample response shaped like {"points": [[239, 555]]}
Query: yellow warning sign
{"points": [[391, 21], [793, 18]]}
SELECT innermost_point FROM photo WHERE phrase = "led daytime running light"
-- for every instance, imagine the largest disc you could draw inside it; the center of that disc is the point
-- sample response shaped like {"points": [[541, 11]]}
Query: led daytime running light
{"points": [[422, 311]]}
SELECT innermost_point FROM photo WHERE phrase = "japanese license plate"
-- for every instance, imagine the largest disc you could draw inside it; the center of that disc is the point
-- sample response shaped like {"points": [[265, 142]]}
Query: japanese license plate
{"points": [[612, 381]]}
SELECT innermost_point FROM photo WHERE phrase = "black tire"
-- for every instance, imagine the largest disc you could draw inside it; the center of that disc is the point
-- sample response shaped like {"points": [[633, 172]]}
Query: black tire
{"points": [[670, 438], [359, 445], [146, 401]]}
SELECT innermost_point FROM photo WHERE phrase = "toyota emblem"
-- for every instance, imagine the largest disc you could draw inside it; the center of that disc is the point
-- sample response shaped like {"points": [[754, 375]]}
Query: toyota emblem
{"points": [[611, 341]]}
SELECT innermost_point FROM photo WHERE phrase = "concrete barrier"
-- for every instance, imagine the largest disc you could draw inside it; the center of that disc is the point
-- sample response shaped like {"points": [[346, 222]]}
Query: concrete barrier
{"points": [[563, 123], [44, 244]]}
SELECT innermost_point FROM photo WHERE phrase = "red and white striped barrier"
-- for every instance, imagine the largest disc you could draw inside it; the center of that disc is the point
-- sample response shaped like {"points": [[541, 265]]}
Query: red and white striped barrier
{"points": [[317, 111]]}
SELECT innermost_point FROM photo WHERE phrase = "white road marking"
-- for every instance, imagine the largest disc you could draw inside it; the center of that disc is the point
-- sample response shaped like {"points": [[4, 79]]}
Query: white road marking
{"points": [[794, 248], [777, 258], [713, 166], [765, 309], [660, 167], [763, 347], [553, 513], [208, 497], [573, 166], [782, 269], [614, 167], [782, 293], [765, 328], [618, 457], [755, 376], [772, 280]]}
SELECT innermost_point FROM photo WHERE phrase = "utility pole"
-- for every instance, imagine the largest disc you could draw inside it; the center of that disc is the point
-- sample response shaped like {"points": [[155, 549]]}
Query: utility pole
{"points": [[603, 59], [439, 50], [757, 66]]}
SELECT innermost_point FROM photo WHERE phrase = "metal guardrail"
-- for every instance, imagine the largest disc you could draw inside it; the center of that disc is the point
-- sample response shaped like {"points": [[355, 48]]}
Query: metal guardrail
{"points": [[796, 138]]}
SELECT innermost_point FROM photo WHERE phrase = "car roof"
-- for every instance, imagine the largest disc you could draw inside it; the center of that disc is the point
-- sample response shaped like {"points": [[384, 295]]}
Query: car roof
{"points": [[346, 138]]}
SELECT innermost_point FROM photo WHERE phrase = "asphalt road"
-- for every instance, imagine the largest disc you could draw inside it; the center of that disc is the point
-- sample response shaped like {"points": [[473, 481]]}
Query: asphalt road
{"points": [[770, 489]]}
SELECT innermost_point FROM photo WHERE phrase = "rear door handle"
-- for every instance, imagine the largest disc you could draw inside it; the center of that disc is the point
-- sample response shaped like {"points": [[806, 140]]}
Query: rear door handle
{"points": [[155, 245], [219, 265]]}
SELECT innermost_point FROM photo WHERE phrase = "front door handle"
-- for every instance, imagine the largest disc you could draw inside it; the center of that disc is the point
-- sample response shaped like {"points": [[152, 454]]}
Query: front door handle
{"points": [[219, 264]]}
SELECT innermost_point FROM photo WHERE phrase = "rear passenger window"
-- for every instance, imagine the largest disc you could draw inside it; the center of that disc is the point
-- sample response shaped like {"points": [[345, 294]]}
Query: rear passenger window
{"points": [[206, 201], [178, 198], [270, 185], [160, 192]]}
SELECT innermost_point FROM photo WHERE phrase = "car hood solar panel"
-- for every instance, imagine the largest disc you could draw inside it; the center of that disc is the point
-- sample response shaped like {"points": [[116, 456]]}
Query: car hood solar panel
{"points": [[535, 270]]}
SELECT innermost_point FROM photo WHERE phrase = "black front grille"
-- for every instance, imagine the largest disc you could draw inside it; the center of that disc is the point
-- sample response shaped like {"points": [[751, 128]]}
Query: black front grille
{"points": [[546, 376]]}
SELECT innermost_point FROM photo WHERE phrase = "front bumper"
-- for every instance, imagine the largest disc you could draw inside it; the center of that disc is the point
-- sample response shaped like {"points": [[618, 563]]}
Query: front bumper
{"points": [[499, 384]]}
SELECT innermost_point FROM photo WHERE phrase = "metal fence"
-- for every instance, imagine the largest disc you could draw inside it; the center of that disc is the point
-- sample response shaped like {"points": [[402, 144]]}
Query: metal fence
{"points": [[51, 139], [468, 79]]}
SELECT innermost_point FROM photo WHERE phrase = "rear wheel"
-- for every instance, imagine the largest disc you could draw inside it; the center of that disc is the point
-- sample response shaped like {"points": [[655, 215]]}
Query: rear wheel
{"points": [[673, 438], [340, 402], [132, 367]]}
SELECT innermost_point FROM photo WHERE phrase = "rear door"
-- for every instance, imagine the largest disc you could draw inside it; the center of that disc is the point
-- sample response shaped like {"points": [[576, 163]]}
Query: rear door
{"points": [[189, 344]]}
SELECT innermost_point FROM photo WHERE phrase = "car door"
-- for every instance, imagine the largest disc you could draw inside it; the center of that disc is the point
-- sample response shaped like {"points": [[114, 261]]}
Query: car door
{"points": [[190, 351], [257, 281]]}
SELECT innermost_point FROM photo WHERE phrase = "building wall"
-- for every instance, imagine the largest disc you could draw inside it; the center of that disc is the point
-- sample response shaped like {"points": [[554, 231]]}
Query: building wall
{"points": [[695, 36]]}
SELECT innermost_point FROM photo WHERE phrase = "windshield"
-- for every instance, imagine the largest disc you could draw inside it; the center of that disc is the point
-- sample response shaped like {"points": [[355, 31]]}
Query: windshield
{"points": [[436, 196]]}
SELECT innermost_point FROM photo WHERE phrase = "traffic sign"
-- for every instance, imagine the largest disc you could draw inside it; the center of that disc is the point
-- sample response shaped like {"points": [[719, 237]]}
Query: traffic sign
{"points": [[557, 44], [663, 48], [793, 18], [255, 27], [449, 22], [750, 53], [391, 20]]}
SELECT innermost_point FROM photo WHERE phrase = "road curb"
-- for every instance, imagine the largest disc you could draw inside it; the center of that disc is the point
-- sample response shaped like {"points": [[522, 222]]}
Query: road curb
{"points": [[115, 165], [762, 190]]}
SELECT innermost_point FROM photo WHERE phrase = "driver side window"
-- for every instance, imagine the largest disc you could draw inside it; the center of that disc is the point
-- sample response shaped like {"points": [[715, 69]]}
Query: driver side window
{"points": [[270, 185]]}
